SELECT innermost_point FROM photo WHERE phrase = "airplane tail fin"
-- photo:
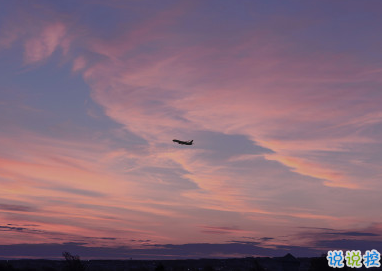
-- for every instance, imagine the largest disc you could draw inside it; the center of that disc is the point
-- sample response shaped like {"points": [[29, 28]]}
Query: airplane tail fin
{"points": [[192, 141]]}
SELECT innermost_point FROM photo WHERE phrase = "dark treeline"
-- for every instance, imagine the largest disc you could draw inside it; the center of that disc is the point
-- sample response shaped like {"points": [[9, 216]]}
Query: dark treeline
{"points": [[74, 263]]}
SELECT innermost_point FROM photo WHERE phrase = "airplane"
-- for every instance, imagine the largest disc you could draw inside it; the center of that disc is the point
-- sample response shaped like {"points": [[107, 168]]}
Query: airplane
{"points": [[183, 142]]}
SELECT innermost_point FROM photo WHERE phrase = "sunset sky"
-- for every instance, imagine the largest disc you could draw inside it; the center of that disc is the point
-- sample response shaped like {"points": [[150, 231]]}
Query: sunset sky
{"points": [[283, 100]]}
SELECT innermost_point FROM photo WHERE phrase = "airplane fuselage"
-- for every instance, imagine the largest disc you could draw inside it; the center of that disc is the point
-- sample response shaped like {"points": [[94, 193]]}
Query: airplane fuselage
{"points": [[183, 142]]}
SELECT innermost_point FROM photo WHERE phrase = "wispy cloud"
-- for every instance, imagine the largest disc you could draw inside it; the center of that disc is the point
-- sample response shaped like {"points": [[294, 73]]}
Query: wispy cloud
{"points": [[41, 47]]}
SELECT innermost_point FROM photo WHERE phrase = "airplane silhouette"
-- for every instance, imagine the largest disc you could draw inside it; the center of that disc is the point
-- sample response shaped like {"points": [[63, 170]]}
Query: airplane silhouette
{"points": [[183, 142]]}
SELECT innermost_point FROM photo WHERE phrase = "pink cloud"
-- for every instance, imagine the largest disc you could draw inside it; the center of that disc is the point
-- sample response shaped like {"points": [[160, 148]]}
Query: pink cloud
{"points": [[221, 230], [79, 63], [58, 177], [278, 99], [45, 43], [191, 90]]}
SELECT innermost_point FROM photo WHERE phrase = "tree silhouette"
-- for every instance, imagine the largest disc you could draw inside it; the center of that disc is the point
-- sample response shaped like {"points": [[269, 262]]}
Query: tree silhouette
{"points": [[7, 267], [208, 268], [73, 262], [160, 267]]}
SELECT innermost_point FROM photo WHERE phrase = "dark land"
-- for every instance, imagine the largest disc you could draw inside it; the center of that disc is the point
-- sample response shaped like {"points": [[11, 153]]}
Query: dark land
{"points": [[73, 263]]}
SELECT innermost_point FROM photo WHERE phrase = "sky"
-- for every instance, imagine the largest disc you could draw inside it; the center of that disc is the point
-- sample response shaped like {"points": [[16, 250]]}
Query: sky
{"points": [[283, 101]]}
